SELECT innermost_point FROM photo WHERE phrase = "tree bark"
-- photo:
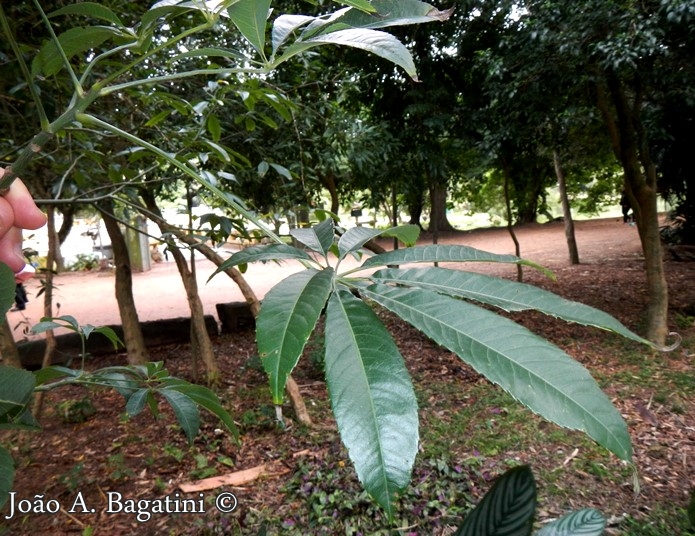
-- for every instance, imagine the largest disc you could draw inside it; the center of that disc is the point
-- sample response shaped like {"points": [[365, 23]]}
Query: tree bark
{"points": [[49, 351], [200, 339], [328, 182], [438, 219], [566, 211], [8, 348], [132, 334], [68, 213], [510, 226], [622, 117]]}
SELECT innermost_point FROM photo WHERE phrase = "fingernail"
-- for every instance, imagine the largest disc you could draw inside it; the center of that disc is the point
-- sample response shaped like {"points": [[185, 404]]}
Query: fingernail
{"points": [[25, 273]]}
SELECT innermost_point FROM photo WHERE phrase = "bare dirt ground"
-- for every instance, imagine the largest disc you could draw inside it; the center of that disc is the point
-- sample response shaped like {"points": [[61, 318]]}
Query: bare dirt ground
{"points": [[146, 458], [89, 296]]}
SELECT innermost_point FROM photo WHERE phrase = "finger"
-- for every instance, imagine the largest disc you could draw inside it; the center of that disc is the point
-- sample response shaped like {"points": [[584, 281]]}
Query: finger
{"points": [[26, 214], [11, 249], [6, 216], [24, 274]]}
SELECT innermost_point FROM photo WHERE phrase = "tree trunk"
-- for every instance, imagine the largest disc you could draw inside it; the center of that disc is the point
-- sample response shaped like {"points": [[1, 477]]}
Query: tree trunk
{"points": [[53, 246], [566, 211], [200, 339], [8, 348], [630, 146], [510, 226], [328, 182], [438, 219], [68, 213], [254, 304], [132, 334], [415, 210]]}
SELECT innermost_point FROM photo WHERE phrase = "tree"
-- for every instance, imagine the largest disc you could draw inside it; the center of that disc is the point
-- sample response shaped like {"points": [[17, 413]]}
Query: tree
{"points": [[547, 65], [370, 390], [132, 334], [617, 51]]}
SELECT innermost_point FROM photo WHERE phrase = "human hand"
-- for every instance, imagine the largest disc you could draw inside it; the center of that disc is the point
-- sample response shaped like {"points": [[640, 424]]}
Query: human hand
{"points": [[17, 211]]}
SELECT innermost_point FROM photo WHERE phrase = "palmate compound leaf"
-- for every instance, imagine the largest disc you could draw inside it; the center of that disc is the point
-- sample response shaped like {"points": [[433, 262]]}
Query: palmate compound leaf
{"points": [[507, 509], [372, 397], [586, 522], [288, 315], [505, 294], [531, 369]]}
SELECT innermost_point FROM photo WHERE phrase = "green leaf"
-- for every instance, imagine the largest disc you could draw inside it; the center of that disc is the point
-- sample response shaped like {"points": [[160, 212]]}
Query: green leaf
{"points": [[46, 325], [136, 401], [363, 5], [380, 43], [390, 13], [318, 238], [250, 16], [64, 321], [16, 387], [122, 383], [372, 398], [90, 9], [221, 151], [284, 25], [507, 509], [48, 374], [586, 522], [505, 294], [282, 170], [214, 128], [185, 410], [408, 234], [270, 252], [7, 288], [430, 254], [531, 369], [74, 41], [208, 399], [111, 335], [288, 315], [6, 475], [356, 237], [158, 118]]}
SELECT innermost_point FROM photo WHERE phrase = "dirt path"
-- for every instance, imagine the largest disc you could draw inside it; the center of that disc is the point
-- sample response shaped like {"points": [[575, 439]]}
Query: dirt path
{"points": [[159, 293]]}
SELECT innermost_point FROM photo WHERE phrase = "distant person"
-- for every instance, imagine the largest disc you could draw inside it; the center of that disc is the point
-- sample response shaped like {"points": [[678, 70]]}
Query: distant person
{"points": [[626, 207], [20, 298], [17, 212]]}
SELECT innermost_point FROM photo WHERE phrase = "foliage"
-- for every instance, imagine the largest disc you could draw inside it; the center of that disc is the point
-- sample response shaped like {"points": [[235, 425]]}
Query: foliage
{"points": [[509, 507], [333, 496], [370, 389], [139, 385], [84, 262]]}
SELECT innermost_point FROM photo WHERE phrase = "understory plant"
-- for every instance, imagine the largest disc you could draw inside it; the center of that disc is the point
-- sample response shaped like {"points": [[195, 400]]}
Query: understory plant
{"points": [[509, 507], [140, 385], [369, 386]]}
